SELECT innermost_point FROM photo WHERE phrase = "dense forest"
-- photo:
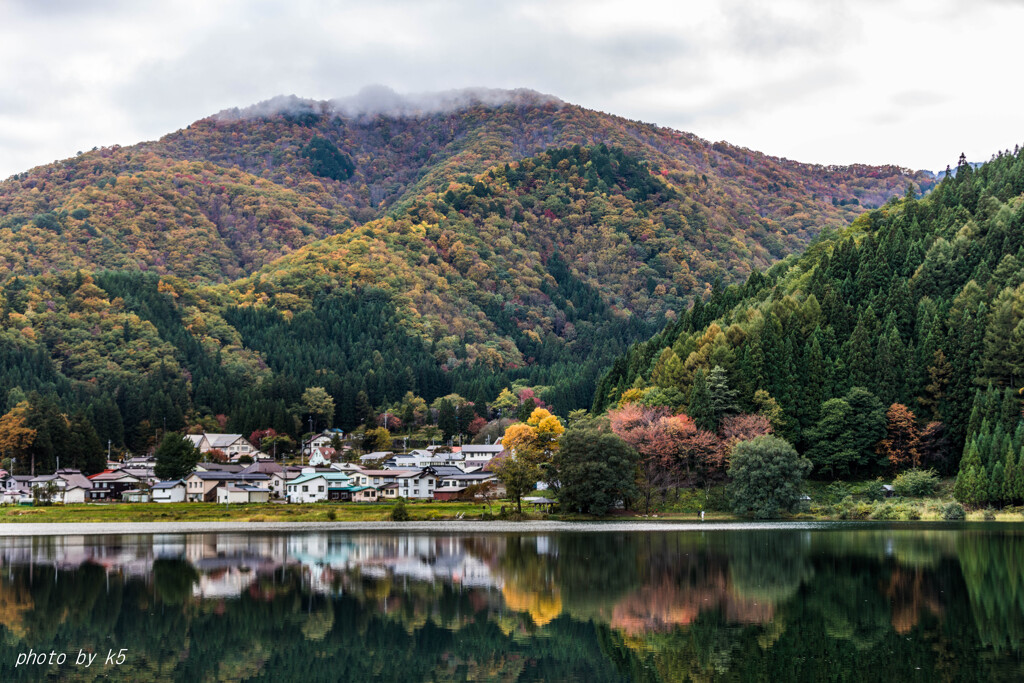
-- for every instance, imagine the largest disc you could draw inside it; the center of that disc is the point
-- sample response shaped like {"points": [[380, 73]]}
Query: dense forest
{"points": [[209, 279], [893, 344]]}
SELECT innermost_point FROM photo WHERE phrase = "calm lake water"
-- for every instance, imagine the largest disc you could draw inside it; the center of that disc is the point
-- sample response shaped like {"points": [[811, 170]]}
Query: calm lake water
{"points": [[840, 603]]}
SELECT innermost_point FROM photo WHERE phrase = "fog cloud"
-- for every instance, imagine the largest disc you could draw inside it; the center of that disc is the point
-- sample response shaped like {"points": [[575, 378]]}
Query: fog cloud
{"points": [[827, 81]]}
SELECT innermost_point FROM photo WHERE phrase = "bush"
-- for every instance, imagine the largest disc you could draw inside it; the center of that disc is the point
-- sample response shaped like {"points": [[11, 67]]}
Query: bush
{"points": [[954, 512], [399, 513], [332, 515], [874, 490], [766, 476], [915, 483], [836, 491], [989, 515]]}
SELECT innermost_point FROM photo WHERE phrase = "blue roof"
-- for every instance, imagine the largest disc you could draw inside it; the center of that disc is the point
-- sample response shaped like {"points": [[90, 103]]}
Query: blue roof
{"points": [[168, 484]]}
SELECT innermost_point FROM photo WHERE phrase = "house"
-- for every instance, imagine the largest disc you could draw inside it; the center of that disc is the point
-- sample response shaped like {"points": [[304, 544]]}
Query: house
{"points": [[234, 468], [262, 467], [364, 494], [108, 485], [140, 462], [377, 478], [202, 487], [242, 494], [228, 444], [375, 457], [419, 484], [172, 491], [451, 487], [321, 456], [136, 496], [349, 467], [321, 440], [313, 486], [70, 486], [479, 455]]}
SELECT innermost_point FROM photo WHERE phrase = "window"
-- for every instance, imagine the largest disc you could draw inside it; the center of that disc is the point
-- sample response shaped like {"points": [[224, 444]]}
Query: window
{"points": [[305, 488], [320, 488]]}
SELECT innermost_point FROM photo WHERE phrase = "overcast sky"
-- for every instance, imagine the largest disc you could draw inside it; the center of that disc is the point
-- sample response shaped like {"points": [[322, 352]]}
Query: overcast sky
{"points": [[871, 81]]}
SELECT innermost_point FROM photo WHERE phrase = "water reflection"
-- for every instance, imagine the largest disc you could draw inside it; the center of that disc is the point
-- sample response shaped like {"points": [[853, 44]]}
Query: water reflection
{"points": [[876, 603]]}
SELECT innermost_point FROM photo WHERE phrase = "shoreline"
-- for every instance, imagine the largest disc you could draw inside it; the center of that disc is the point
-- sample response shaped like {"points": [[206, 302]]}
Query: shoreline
{"points": [[433, 527]]}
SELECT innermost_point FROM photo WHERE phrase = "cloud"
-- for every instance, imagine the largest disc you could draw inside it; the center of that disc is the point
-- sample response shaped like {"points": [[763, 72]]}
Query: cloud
{"points": [[377, 100], [766, 75]]}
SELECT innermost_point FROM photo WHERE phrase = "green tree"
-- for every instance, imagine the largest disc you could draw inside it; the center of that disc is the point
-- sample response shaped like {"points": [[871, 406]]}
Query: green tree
{"points": [[700, 408], [766, 475], [518, 475], [721, 398], [176, 457], [446, 419], [506, 403], [596, 469], [318, 403]]}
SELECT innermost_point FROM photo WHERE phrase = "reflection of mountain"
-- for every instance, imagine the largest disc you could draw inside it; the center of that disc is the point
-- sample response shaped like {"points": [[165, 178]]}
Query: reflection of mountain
{"points": [[746, 605]]}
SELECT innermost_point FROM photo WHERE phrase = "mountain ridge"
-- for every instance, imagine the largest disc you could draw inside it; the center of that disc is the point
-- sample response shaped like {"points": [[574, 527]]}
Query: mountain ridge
{"points": [[525, 242]]}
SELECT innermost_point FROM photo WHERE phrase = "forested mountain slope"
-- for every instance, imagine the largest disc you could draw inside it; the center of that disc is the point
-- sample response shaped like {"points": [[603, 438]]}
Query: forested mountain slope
{"points": [[232, 192], [918, 303], [229, 266]]}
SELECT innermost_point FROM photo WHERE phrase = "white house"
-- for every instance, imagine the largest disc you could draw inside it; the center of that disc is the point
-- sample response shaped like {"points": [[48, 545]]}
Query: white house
{"points": [[172, 491], [313, 486], [229, 444], [321, 456], [419, 484], [321, 440], [242, 494], [478, 455]]}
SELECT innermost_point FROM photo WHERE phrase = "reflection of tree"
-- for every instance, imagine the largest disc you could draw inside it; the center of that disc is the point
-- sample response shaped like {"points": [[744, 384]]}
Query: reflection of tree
{"points": [[529, 582], [173, 580], [910, 592], [993, 569], [319, 623], [15, 600], [767, 567]]}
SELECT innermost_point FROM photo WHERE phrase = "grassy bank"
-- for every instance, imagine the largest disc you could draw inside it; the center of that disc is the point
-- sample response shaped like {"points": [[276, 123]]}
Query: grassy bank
{"points": [[209, 512], [850, 501]]}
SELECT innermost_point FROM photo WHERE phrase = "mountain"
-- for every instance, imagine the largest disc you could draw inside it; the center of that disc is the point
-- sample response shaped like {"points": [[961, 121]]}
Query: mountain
{"points": [[383, 244], [910, 321]]}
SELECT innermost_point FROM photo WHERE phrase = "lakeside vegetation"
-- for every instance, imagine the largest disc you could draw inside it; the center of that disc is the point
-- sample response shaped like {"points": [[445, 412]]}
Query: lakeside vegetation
{"points": [[855, 501]]}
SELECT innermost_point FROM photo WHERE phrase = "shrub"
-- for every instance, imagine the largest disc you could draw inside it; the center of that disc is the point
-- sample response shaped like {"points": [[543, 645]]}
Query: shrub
{"points": [[836, 491], [953, 512], [916, 483], [989, 515], [332, 515], [399, 513], [766, 476], [874, 490]]}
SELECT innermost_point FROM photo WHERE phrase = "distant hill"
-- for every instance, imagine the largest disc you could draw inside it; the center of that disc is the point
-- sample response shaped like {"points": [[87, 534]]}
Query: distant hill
{"points": [[382, 244]]}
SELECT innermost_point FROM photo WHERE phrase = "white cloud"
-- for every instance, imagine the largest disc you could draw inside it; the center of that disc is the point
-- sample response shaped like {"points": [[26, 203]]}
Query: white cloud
{"points": [[828, 81]]}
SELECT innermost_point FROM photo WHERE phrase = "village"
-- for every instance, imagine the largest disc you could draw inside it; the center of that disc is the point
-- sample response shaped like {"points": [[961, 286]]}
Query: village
{"points": [[236, 472]]}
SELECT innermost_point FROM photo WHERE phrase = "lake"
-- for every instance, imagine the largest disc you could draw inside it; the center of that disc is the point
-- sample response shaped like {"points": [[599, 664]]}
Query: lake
{"points": [[819, 602]]}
